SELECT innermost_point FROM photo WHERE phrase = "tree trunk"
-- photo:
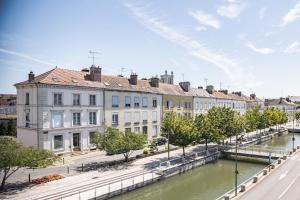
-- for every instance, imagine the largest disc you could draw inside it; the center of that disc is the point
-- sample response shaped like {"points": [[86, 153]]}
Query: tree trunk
{"points": [[206, 141], [183, 151], [3, 180], [126, 157]]}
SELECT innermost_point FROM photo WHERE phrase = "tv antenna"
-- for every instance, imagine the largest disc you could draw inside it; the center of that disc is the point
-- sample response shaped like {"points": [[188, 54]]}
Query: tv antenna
{"points": [[122, 70], [92, 53], [206, 79]]}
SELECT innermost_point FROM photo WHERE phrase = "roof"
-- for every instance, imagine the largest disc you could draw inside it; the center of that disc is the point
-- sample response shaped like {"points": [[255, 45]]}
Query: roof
{"points": [[221, 95], [294, 98], [197, 92], [280, 101]]}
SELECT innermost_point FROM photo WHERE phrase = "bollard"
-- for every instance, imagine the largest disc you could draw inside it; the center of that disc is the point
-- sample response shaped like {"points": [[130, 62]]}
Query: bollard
{"points": [[298, 147], [82, 167], [68, 169], [265, 172], [272, 166], [284, 157], [63, 160], [255, 179], [243, 188], [279, 161], [226, 197], [290, 153], [294, 150], [29, 179]]}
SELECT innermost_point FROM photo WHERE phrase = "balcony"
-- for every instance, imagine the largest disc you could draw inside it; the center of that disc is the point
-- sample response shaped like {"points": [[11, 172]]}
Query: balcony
{"points": [[145, 121]]}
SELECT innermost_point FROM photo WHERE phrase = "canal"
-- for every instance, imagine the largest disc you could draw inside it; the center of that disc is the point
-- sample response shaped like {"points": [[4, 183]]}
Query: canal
{"points": [[206, 182]]}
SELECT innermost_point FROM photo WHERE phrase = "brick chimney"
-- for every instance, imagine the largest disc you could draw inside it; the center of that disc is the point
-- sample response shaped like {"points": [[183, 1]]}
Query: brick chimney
{"points": [[133, 79], [185, 86], [154, 82], [95, 73], [31, 76], [200, 87], [252, 96], [210, 89], [238, 93], [224, 91]]}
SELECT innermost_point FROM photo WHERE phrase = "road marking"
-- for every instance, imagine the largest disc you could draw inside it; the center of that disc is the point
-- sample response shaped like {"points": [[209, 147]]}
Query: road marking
{"points": [[289, 186], [283, 175]]}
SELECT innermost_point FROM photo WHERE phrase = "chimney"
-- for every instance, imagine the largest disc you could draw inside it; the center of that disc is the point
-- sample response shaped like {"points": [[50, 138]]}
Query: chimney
{"points": [[85, 70], [133, 79], [95, 73], [200, 87], [172, 78], [210, 89], [252, 96], [224, 91], [154, 82], [31, 76], [185, 86], [238, 93]]}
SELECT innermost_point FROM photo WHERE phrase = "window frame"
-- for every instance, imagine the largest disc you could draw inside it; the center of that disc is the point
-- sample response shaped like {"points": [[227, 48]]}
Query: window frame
{"points": [[94, 102], [62, 142], [93, 117], [78, 102], [56, 101], [127, 105], [62, 118], [114, 97], [76, 118]]}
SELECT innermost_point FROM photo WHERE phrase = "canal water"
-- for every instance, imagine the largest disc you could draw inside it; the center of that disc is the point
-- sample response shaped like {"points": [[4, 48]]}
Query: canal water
{"points": [[207, 182]]}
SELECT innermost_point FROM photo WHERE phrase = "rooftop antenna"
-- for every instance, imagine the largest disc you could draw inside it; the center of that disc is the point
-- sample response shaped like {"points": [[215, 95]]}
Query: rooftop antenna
{"points": [[220, 85], [182, 77], [92, 53], [206, 79]]}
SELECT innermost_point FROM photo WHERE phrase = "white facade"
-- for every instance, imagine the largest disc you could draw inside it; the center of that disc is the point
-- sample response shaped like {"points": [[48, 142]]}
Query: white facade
{"points": [[51, 124], [203, 104], [135, 111]]}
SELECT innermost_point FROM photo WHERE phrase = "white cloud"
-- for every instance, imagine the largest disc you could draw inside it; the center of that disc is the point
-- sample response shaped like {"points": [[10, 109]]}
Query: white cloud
{"points": [[262, 12], [205, 19], [232, 10], [293, 48], [291, 16], [259, 50], [229, 66], [22, 55]]}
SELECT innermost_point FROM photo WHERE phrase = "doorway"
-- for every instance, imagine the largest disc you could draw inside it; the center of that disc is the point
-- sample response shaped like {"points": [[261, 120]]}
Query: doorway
{"points": [[76, 141]]}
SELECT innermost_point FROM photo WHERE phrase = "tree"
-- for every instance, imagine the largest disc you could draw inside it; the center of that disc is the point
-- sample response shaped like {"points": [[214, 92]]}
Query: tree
{"points": [[252, 119], [116, 142], [11, 128], [179, 130], [3, 129], [203, 130], [14, 156], [297, 115]]}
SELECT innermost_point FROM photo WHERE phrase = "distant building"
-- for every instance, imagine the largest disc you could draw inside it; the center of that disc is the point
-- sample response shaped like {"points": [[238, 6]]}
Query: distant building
{"points": [[283, 104], [167, 78], [8, 107], [294, 99], [254, 101]]}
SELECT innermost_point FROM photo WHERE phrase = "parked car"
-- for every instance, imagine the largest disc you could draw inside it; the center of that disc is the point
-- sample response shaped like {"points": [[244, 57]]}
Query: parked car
{"points": [[161, 141]]}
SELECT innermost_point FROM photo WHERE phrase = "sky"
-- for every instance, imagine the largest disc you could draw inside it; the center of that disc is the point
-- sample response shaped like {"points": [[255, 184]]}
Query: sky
{"points": [[239, 45]]}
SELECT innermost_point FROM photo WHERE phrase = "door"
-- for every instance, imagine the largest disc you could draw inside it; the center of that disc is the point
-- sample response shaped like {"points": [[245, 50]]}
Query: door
{"points": [[76, 141]]}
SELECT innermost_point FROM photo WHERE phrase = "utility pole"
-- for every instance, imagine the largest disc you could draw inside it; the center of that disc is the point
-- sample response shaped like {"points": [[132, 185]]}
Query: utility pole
{"points": [[92, 53], [236, 167], [293, 129]]}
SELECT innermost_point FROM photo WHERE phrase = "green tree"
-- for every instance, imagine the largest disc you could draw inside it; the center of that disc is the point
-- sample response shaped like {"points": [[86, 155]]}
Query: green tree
{"points": [[14, 156], [252, 119], [204, 130], [3, 129], [297, 115], [179, 130], [116, 142], [11, 128]]}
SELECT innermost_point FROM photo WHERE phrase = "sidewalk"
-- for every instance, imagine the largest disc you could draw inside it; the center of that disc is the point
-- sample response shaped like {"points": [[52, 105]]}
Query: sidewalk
{"points": [[141, 165]]}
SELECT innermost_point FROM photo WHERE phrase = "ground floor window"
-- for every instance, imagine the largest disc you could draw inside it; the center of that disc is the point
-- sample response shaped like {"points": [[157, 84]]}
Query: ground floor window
{"points": [[154, 131], [127, 130], [137, 129], [145, 129], [58, 141], [92, 136]]}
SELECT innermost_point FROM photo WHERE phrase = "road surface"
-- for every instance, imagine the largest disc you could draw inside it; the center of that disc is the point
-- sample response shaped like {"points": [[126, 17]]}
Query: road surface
{"points": [[282, 184]]}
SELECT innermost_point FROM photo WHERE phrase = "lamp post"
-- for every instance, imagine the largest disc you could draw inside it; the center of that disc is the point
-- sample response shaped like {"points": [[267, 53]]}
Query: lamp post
{"points": [[293, 129], [168, 146], [236, 167]]}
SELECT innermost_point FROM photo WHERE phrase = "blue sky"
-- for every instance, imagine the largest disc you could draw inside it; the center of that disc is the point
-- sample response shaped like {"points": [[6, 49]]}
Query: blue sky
{"points": [[252, 46]]}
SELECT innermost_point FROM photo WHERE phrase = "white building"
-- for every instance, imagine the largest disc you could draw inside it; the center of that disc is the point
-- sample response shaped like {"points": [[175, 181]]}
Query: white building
{"points": [[61, 109], [202, 101]]}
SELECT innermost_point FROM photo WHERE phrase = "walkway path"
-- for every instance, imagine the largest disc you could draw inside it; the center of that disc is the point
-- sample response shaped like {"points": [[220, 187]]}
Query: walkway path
{"points": [[283, 184]]}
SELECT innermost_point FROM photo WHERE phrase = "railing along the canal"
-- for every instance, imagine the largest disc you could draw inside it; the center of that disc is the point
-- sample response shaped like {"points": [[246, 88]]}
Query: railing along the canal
{"points": [[231, 193]]}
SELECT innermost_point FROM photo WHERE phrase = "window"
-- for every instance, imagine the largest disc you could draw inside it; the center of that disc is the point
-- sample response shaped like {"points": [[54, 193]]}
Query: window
{"points": [[137, 129], [145, 101], [127, 101], [145, 129], [179, 104], [115, 101], [136, 102], [93, 118], [115, 118], [144, 117], [57, 119], [154, 116], [76, 119], [57, 97], [185, 104], [136, 117], [58, 142], [27, 99], [76, 99], [127, 117], [27, 118], [93, 100], [92, 136], [190, 104], [154, 102], [154, 131]]}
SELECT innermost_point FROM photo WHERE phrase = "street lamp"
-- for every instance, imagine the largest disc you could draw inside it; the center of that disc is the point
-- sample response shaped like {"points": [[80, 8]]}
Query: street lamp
{"points": [[293, 129], [236, 167], [168, 145]]}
